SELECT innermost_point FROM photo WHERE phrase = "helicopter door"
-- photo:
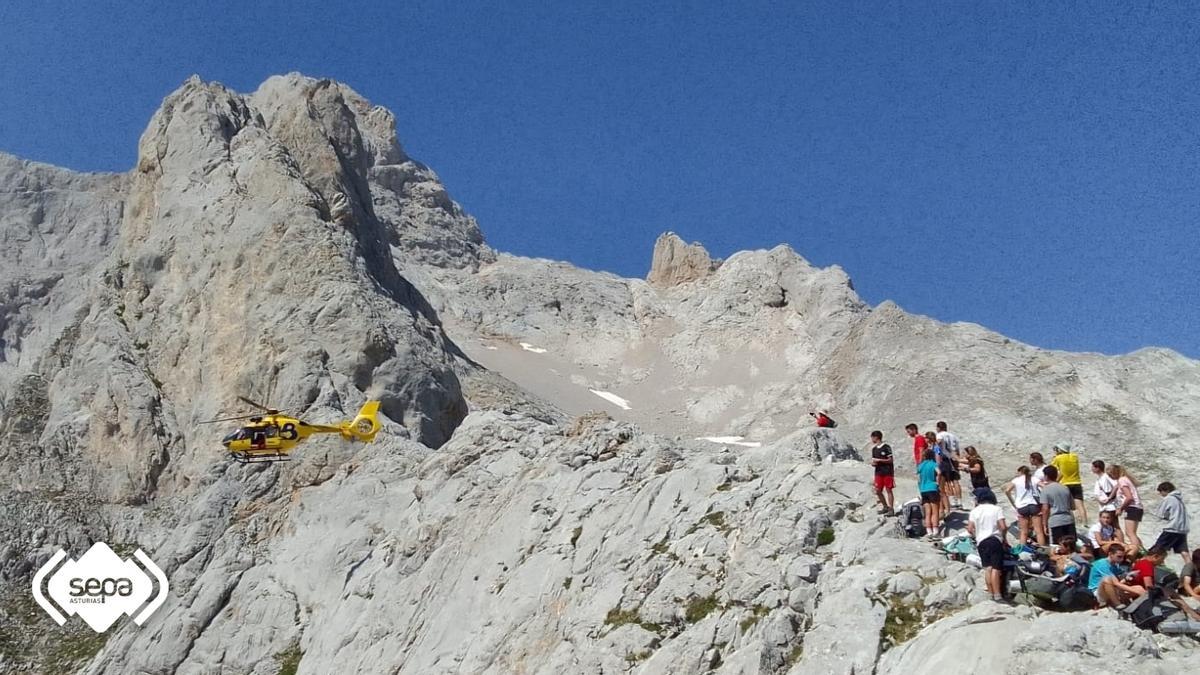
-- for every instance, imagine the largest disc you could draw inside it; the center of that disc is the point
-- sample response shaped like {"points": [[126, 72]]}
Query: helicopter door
{"points": [[258, 439]]}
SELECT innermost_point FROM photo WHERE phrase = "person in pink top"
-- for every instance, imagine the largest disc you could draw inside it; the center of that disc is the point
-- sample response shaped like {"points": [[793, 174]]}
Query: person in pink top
{"points": [[1129, 504]]}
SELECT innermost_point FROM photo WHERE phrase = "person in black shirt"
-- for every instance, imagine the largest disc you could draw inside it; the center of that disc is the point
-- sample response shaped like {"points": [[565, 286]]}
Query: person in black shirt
{"points": [[973, 465], [885, 473]]}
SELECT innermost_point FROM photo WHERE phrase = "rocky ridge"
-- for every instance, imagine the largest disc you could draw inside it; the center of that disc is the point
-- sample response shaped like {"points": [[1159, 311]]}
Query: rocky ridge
{"points": [[282, 245]]}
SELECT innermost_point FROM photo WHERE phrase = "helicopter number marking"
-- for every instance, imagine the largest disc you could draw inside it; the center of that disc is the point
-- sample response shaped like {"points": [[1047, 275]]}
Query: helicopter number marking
{"points": [[288, 432]]}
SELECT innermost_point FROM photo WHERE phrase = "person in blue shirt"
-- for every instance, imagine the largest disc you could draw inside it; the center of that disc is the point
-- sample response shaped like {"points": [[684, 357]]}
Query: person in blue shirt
{"points": [[931, 500], [1107, 580]]}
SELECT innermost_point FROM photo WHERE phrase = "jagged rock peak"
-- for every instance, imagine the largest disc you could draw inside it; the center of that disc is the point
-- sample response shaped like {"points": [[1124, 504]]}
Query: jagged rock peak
{"points": [[677, 262]]}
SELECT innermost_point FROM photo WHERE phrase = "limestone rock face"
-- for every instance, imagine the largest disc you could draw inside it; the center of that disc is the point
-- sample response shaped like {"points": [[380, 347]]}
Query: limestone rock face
{"points": [[577, 472], [676, 262]]}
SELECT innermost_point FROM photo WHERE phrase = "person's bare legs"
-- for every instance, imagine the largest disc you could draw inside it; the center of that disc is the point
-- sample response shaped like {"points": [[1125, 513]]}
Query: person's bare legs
{"points": [[1082, 506], [1135, 542], [930, 526], [1038, 530], [991, 579], [891, 500], [1023, 525]]}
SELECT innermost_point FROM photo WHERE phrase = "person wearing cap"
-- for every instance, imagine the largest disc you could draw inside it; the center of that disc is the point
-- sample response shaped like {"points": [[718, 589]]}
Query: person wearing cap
{"points": [[1067, 464]]}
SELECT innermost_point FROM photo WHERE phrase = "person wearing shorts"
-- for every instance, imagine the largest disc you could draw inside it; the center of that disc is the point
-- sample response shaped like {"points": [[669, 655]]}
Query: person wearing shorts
{"points": [[931, 497], [986, 524], [1058, 507], [1129, 504], [885, 473], [1172, 509], [1022, 493], [1067, 463]]}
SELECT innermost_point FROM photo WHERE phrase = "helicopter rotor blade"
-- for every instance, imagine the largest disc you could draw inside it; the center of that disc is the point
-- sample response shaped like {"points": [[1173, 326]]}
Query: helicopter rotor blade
{"points": [[229, 419], [260, 406]]}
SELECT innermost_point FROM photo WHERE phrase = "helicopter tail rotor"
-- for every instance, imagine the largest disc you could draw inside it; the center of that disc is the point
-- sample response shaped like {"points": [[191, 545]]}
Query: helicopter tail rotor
{"points": [[363, 427]]}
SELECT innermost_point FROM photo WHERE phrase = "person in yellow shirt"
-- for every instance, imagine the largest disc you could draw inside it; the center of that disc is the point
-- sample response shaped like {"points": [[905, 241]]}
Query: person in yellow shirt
{"points": [[1067, 464]]}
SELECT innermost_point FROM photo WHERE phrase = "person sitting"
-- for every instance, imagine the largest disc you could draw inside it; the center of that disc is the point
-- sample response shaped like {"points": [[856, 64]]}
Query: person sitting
{"points": [[1189, 578], [1142, 573], [1062, 553], [1106, 533], [1071, 564], [1106, 580], [823, 419]]}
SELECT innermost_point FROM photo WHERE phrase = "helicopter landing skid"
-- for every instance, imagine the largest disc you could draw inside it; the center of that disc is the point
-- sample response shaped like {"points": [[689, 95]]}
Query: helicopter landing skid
{"points": [[259, 457]]}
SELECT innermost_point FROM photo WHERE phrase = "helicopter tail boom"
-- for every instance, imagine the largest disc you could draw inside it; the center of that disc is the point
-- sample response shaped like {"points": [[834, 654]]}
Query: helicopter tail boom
{"points": [[365, 425]]}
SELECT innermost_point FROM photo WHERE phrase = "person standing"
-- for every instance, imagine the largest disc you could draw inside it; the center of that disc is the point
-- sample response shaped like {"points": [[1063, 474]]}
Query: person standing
{"points": [[1105, 489], [1067, 463], [1057, 508], [986, 524], [946, 468], [885, 473], [931, 500], [1172, 509], [1037, 465], [1022, 493], [1129, 504], [948, 442], [919, 444], [973, 464]]}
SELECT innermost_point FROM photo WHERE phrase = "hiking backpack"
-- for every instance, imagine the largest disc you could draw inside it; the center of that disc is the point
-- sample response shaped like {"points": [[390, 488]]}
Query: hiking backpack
{"points": [[1151, 609], [913, 519]]}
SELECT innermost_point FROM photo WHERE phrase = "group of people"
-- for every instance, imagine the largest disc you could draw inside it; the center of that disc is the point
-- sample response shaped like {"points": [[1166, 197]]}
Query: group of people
{"points": [[1049, 502]]}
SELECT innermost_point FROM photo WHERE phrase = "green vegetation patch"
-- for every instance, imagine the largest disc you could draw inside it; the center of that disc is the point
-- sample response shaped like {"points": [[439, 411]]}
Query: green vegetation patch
{"points": [[757, 612], [903, 621], [617, 617], [698, 608], [289, 659], [825, 537]]}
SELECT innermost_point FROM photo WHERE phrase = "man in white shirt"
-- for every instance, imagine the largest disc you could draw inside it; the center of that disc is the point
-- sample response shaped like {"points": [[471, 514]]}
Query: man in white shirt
{"points": [[987, 525]]}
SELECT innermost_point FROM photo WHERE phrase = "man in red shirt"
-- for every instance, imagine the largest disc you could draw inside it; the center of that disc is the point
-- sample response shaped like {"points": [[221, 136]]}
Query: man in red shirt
{"points": [[1143, 570], [919, 444]]}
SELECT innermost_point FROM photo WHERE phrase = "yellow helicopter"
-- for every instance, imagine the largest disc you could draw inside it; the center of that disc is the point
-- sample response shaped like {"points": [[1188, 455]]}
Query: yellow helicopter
{"points": [[270, 436]]}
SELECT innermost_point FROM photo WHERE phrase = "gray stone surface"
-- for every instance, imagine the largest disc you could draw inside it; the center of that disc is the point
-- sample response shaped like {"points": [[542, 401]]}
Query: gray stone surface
{"points": [[578, 472]]}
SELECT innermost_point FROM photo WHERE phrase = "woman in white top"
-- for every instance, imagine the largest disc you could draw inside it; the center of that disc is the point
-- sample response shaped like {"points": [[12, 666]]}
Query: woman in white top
{"points": [[1105, 489], [1022, 493], [1129, 503]]}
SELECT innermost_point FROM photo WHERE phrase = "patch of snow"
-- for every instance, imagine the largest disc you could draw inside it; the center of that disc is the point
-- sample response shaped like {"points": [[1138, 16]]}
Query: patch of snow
{"points": [[491, 347], [530, 348], [731, 440], [611, 398]]}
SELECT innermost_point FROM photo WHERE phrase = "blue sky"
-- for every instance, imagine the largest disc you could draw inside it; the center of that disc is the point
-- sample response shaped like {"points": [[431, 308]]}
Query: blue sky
{"points": [[1033, 169]]}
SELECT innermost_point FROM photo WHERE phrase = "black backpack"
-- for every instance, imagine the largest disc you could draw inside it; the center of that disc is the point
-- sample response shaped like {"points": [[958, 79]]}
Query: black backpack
{"points": [[1166, 579], [1151, 609], [914, 520]]}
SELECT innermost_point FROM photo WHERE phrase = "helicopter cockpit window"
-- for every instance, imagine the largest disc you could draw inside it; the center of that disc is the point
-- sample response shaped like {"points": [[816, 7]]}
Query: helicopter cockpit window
{"points": [[272, 431], [235, 436]]}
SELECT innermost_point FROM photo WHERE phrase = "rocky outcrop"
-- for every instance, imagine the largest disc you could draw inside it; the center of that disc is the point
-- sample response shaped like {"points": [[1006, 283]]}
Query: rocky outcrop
{"points": [[676, 262], [282, 245]]}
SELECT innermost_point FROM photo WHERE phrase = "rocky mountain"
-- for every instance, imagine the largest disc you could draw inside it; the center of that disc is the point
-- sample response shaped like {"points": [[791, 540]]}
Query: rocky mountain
{"points": [[542, 498]]}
